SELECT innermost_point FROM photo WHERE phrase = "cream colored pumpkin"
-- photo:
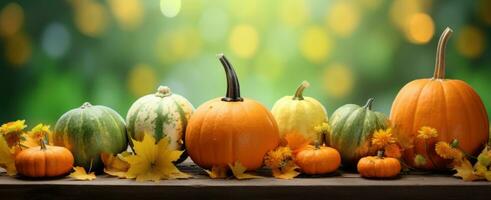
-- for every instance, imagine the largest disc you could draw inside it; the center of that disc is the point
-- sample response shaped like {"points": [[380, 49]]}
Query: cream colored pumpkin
{"points": [[299, 114]]}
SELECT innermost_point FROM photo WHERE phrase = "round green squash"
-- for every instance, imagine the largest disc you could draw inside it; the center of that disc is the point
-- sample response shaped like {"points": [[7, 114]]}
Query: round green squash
{"points": [[89, 131], [160, 114], [351, 129]]}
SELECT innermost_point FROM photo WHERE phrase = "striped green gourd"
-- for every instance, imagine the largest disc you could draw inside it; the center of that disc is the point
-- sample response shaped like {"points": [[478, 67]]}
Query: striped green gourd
{"points": [[351, 129], [160, 114], [88, 131]]}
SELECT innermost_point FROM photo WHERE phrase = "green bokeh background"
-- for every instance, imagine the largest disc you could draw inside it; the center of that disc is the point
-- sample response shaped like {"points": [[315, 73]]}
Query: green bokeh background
{"points": [[67, 67]]}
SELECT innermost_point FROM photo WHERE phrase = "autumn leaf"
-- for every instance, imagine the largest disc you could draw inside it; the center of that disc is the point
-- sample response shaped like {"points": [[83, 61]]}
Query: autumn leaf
{"points": [[32, 138], [286, 173], [81, 175], [115, 165], [217, 172], [239, 171], [7, 157], [466, 171], [153, 161]]}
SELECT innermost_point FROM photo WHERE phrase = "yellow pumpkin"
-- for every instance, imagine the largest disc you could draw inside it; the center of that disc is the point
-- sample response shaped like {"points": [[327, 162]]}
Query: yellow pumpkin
{"points": [[299, 114]]}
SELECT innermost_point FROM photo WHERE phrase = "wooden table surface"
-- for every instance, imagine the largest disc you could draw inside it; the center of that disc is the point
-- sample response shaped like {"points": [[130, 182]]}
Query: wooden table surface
{"points": [[338, 186]]}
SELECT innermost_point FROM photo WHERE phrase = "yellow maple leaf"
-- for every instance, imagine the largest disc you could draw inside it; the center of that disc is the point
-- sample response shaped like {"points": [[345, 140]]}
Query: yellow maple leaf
{"points": [[81, 175], [239, 171], [286, 173], [7, 157], [32, 138], [115, 165], [153, 161], [217, 172], [465, 171]]}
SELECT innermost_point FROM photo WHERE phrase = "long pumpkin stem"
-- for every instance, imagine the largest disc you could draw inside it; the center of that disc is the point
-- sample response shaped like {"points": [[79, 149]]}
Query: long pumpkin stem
{"points": [[369, 104], [299, 93], [43, 144], [233, 87], [440, 54]]}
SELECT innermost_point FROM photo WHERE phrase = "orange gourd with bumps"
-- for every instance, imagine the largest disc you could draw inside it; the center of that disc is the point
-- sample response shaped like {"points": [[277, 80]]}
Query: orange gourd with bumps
{"points": [[450, 106], [229, 129], [44, 161]]}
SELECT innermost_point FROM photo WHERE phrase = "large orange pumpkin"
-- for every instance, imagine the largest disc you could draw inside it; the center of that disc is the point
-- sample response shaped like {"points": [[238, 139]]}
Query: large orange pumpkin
{"points": [[450, 106], [229, 129]]}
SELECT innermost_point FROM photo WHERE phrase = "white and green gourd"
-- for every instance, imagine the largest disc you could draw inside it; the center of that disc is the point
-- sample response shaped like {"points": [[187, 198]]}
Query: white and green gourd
{"points": [[160, 114]]}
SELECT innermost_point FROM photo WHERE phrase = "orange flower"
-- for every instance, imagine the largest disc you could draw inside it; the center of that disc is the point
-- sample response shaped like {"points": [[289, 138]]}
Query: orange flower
{"points": [[393, 151], [427, 132], [382, 138], [445, 151]]}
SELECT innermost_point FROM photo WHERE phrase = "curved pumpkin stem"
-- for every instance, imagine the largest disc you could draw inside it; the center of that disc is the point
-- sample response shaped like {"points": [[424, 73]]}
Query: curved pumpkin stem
{"points": [[369, 103], [299, 93], [440, 54], [43, 144], [233, 87]]}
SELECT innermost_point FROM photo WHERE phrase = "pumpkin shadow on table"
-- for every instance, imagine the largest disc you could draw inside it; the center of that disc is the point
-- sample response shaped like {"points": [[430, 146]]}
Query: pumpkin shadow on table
{"points": [[25, 178]]}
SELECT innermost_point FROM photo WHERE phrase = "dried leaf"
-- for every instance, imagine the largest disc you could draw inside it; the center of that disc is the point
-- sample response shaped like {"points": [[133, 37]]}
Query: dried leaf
{"points": [[239, 171], [81, 175], [7, 157], [153, 161], [115, 165], [217, 172], [286, 173], [466, 171]]}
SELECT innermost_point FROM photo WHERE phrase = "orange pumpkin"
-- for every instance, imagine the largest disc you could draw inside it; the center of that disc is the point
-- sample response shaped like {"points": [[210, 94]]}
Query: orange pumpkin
{"points": [[318, 159], [450, 106], [379, 166], [44, 161], [229, 129]]}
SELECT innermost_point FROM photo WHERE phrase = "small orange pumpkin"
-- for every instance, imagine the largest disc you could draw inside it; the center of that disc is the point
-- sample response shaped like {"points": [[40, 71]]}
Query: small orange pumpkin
{"points": [[318, 159], [44, 161], [450, 106], [229, 129], [379, 166]]}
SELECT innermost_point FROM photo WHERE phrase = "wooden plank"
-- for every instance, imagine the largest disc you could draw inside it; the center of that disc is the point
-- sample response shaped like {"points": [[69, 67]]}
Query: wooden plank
{"points": [[342, 186]]}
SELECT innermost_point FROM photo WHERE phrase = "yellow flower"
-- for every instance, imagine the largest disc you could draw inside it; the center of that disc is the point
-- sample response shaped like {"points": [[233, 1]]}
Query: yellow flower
{"points": [[281, 162], [427, 132], [10, 127], [382, 138], [445, 151], [11, 131]]}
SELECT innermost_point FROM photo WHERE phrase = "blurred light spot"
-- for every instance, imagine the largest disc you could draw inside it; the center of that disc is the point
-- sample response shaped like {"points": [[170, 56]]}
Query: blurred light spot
{"points": [[471, 42], [214, 24], [376, 53], [343, 18], [18, 49], [401, 10], [244, 40], [371, 4], [484, 7], [338, 80], [142, 80], [90, 17], [170, 8], [177, 44], [11, 19], [293, 12], [55, 40], [420, 28], [249, 9], [315, 45], [128, 13]]}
